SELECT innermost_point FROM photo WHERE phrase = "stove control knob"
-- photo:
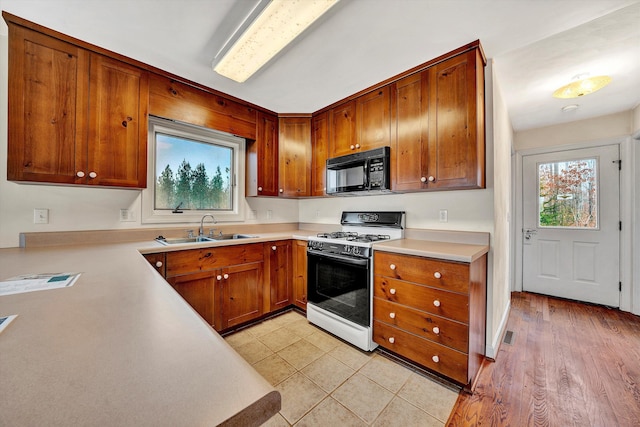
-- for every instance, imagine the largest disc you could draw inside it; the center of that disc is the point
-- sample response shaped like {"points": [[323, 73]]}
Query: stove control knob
{"points": [[356, 250]]}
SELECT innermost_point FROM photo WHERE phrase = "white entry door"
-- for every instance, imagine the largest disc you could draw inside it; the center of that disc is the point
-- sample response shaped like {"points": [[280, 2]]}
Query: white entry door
{"points": [[571, 219]]}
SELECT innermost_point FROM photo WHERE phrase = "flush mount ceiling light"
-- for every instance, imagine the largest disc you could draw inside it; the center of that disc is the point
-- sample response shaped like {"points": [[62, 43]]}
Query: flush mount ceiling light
{"points": [[276, 26], [568, 108], [582, 86]]}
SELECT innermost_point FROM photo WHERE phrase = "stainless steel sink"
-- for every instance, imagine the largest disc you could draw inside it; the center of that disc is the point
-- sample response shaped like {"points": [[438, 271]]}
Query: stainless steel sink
{"points": [[232, 236], [181, 240]]}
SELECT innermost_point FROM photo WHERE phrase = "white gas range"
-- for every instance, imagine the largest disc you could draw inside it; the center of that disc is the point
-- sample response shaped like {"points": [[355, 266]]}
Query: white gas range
{"points": [[340, 276]]}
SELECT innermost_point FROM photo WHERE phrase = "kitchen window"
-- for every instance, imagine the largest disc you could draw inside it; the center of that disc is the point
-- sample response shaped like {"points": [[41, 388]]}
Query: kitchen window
{"points": [[192, 171]]}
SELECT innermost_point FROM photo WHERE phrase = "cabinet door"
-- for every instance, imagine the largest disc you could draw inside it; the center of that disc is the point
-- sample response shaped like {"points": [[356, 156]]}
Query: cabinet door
{"points": [[262, 158], [342, 133], [373, 120], [280, 275], [409, 158], [319, 153], [48, 89], [294, 156], [241, 287], [300, 273], [117, 143], [198, 290], [158, 261], [456, 123]]}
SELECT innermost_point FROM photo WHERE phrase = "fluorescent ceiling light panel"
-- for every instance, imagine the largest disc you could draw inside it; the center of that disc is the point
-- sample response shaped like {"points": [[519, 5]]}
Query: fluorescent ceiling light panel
{"points": [[276, 26]]}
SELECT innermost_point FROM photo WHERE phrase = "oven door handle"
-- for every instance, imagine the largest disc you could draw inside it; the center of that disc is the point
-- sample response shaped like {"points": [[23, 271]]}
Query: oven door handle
{"points": [[348, 259]]}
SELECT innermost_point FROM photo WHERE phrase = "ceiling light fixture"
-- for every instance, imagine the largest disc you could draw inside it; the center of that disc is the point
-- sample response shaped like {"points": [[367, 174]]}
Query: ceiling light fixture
{"points": [[582, 86], [571, 107], [276, 26]]}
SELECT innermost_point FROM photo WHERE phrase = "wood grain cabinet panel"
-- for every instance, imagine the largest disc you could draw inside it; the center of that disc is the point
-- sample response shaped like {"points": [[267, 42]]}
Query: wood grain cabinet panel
{"points": [[342, 134], [280, 273], [439, 324], [262, 158], [300, 273], [241, 293], [75, 117], [196, 260], [158, 261], [319, 153], [373, 120], [294, 159], [199, 291]]}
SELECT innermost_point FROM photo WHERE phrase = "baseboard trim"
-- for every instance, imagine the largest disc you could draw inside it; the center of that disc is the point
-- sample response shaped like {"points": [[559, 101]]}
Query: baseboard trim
{"points": [[492, 350]]}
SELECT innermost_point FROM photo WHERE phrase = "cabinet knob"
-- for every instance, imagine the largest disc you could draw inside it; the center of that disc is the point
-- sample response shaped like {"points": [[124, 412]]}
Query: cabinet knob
{"points": [[392, 291], [392, 266], [158, 264], [219, 277], [273, 248], [92, 174], [437, 275], [436, 303], [436, 330], [392, 340], [259, 188], [226, 276], [392, 315], [423, 179], [80, 174], [435, 359], [357, 145], [282, 190], [432, 178], [353, 147]]}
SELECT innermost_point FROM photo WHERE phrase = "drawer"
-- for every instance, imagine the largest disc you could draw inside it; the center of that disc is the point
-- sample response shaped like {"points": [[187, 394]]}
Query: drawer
{"points": [[449, 362], [428, 326], [451, 276], [194, 260], [435, 301]]}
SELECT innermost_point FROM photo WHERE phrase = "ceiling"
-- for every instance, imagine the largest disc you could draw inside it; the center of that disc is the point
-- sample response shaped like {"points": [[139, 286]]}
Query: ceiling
{"points": [[536, 46]]}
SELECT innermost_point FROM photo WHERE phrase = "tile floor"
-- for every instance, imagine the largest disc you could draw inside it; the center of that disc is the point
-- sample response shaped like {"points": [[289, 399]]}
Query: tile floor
{"points": [[326, 382]]}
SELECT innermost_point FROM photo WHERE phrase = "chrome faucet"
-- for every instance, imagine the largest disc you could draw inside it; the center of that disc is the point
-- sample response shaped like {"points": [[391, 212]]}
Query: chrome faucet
{"points": [[202, 223]]}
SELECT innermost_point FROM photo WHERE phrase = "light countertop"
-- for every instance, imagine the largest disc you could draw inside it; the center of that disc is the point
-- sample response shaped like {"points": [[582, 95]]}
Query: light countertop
{"points": [[441, 250], [119, 347]]}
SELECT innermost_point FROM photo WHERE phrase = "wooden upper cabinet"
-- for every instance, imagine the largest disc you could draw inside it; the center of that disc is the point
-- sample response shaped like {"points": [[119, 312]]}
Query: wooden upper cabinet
{"points": [[75, 117], [456, 123], [409, 154], [373, 120], [117, 143], [262, 158], [342, 134], [48, 90], [320, 151], [294, 142]]}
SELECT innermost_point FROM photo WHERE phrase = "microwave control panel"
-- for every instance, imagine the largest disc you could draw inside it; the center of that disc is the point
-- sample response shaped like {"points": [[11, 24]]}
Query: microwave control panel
{"points": [[377, 174]]}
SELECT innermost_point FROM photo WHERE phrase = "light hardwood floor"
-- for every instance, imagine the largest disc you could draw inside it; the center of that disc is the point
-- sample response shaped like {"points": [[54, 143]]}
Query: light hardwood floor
{"points": [[569, 364]]}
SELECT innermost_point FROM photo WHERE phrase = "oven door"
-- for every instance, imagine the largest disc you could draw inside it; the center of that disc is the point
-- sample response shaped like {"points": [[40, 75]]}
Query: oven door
{"points": [[341, 285]]}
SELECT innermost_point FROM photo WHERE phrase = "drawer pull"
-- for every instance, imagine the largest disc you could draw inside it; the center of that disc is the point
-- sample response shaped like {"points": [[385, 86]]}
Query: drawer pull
{"points": [[159, 264], [437, 275], [259, 188], [436, 330], [219, 277], [436, 303], [392, 291], [392, 315], [392, 266], [80, 174], [435, 359], [392, 340], [273, 248], [226, 276], [92, 175]]}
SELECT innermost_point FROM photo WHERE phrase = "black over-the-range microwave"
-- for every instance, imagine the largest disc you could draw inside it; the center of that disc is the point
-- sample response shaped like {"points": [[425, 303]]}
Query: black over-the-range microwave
{"points": [[365, 172]]}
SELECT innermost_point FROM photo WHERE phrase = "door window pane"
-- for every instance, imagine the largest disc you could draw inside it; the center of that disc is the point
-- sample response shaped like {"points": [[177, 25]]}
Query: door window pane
{"points": [[568, 194]]}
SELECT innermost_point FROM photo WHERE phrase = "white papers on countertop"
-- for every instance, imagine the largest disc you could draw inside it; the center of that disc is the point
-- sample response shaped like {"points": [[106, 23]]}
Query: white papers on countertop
{"points": [[5, 320], [37, 282]]}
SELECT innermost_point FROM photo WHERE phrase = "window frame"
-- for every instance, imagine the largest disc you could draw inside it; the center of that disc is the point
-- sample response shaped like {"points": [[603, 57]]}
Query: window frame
{"points": [[198, 133]]}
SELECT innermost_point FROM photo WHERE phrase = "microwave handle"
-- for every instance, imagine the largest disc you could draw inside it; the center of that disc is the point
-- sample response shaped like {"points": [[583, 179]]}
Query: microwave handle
{"points": [[366, 174]]}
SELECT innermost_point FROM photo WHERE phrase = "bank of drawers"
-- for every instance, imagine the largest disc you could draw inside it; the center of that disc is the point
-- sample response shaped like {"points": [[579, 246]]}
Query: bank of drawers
{"points": [[421, 311]]}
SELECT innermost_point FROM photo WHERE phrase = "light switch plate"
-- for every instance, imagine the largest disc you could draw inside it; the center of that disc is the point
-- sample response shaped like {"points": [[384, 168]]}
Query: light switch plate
{"points": [[444, 215], [41, 216], [127, 215]]}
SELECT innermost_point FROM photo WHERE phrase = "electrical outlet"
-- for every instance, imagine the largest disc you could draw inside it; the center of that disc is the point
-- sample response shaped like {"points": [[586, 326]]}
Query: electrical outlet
{"points": [[41, 216], [269, 214], [444, 215], [127, 215]]}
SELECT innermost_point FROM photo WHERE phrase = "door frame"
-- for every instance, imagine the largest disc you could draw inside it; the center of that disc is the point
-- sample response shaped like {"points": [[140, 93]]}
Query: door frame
{"points": [[626, 213]]}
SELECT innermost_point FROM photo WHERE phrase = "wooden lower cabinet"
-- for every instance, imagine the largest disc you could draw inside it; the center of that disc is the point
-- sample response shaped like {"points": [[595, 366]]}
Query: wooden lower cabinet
{"points": [[432, 312], [300, 273], [198, 289], [241, 295], [158, 261], [280, 274]]}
